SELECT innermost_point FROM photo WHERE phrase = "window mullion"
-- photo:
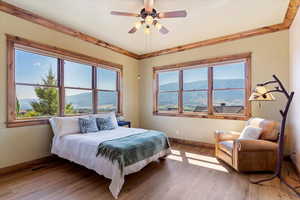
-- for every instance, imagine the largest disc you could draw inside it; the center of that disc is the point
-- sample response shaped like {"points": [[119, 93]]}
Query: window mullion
{"points": [[156, 92], [61, 87], [118, 84], [94, 91], [180, 94], [210, 90]]}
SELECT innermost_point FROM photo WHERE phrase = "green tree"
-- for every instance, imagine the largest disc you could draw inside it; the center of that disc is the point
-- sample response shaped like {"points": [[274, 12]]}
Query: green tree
{"points": [[47, 103], [48, 96], [17, 106], [69, 109]]}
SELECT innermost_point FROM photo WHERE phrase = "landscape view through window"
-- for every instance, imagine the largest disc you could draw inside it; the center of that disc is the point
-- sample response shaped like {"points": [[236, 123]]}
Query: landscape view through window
{"points": [[37, 87], [228, 89]]}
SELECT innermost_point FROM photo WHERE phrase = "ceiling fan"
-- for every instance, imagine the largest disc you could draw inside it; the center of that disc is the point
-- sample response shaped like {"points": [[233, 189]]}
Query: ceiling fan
{"points": [[149, 16]]}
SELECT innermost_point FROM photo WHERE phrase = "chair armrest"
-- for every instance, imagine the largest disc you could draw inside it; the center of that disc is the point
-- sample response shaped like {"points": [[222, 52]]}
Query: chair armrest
{"points": [[226, 135], [254, 145]]}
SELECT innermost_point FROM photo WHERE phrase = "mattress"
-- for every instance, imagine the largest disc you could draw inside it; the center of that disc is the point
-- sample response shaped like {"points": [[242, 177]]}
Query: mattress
{"points": [[82, 149]]}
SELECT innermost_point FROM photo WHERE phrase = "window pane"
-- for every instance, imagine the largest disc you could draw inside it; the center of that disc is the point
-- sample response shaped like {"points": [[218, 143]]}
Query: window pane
{"points": [[195, 101], [107, 101], [168, 101], [36, 101], [195, 79], [229, 75], [78, 101], [229, 101], [35, 69], [168, 81], [106, 79], [77, 75]]}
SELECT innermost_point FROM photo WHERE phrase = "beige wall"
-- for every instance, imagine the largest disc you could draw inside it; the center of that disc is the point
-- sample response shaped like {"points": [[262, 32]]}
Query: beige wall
{"points": [[294, 118], [270, 55], [28, 143]]}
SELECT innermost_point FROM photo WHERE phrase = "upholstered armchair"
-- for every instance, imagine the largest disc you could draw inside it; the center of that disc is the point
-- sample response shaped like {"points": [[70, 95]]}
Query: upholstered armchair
{"points": [[249, 155]]}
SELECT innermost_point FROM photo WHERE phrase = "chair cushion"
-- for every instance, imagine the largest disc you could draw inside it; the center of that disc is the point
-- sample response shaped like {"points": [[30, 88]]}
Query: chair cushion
{"points": [[250, 133], [270, 129], [226, 146]]}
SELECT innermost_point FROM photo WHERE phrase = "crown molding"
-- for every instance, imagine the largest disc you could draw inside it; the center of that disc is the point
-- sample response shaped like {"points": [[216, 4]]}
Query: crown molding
{"points": [[29, 16]]}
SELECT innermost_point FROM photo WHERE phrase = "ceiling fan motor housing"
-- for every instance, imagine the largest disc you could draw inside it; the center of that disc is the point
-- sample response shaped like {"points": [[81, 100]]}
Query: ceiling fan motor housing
{"points": [[144, 13]]}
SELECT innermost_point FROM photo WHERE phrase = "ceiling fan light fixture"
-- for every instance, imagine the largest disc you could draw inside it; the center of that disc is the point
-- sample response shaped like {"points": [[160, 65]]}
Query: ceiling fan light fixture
{"points": [[137, 25], [147, 30], [158, 26], [148, 17], [149, 20]]}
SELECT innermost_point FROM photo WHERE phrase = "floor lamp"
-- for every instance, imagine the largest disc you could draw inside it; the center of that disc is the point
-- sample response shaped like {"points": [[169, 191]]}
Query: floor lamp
{"points": [[261, 93]]}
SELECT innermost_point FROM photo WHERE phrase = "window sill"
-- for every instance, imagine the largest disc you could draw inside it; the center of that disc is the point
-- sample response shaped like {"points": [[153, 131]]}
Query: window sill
{"points": [[205, 116], [39, 121], [27, 122]]}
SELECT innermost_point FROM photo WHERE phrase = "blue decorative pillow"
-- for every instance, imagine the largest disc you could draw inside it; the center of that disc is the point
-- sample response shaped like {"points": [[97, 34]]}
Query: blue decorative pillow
{"points": [[88, 125], [105, 123]]}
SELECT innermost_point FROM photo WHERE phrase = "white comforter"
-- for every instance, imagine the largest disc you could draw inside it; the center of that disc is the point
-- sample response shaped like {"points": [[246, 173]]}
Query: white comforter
{"points": [[82, 149]]}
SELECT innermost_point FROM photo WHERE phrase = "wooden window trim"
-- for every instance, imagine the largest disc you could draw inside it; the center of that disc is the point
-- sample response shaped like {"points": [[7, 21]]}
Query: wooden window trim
{"points": [[210, 63], [60, 54]]}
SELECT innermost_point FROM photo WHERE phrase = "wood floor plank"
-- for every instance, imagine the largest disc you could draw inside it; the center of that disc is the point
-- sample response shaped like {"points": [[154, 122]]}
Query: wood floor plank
{"points": [[189, 173]]}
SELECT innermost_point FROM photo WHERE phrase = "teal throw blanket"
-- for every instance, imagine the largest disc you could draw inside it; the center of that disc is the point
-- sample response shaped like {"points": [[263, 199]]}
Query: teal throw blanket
{"points": [[131, 149]]}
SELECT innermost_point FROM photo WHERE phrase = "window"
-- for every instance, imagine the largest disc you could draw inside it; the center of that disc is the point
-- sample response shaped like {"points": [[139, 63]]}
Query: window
{"points": [[210, 88], [229, 88], [195, 90], [36, 85], [44, 83], [169, 88], [78, 91], [107, 89]]}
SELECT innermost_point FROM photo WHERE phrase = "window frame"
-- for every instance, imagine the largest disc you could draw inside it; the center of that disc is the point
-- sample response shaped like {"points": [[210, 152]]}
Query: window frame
{"points": [[61, 55], [210, 64], [170, 91]]}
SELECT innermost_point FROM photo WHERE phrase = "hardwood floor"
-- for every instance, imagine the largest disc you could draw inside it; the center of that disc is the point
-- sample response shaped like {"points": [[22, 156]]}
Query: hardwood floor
{"points": [[189, 173]]}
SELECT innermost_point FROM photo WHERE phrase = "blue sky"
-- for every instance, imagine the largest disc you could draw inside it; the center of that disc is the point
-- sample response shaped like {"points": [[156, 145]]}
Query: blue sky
{"points": [[228, 71], [31, 68]]}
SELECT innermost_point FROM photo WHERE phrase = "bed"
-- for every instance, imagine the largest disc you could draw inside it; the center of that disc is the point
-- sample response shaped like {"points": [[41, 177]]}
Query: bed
{"points": [[83, 149]]}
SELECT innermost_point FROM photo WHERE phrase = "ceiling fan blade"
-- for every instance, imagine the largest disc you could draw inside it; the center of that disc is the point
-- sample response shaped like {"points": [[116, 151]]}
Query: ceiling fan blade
{"points": [[173, 14], [148, 4], [124, 14], [163, 30], [133, 30]]}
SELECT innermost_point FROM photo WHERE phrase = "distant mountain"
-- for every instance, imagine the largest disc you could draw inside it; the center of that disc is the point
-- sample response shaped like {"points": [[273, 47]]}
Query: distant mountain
{"points": [[26, 103], [232, 97], [219, 83], [229, 97], [82, 100]]}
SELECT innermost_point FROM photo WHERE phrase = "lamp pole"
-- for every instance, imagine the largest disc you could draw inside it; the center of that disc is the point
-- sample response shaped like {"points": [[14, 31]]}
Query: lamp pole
{"points": [[284, 113]]}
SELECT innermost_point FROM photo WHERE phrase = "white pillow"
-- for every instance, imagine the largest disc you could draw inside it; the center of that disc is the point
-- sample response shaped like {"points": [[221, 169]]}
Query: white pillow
{"points": [[65, 125], [250, 133], [105, 115]]}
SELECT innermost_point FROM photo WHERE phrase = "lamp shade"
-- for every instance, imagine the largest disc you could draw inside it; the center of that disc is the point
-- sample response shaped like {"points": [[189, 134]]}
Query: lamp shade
{"points": [[261, 94]]}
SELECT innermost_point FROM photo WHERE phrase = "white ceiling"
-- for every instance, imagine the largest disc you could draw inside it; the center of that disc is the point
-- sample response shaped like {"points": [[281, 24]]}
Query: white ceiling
{"points": [[206, 19]]}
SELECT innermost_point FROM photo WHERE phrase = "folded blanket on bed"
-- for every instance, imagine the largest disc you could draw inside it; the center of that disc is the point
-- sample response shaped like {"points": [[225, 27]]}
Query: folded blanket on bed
{"points": [[131, 149]]}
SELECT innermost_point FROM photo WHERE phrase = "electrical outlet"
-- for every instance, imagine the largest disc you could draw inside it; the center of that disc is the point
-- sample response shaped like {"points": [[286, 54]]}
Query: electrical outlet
{"points": [[177, 132]]}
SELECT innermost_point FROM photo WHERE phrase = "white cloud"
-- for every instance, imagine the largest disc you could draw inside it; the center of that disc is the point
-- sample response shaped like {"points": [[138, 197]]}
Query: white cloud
{"points": [[37, 64]]}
